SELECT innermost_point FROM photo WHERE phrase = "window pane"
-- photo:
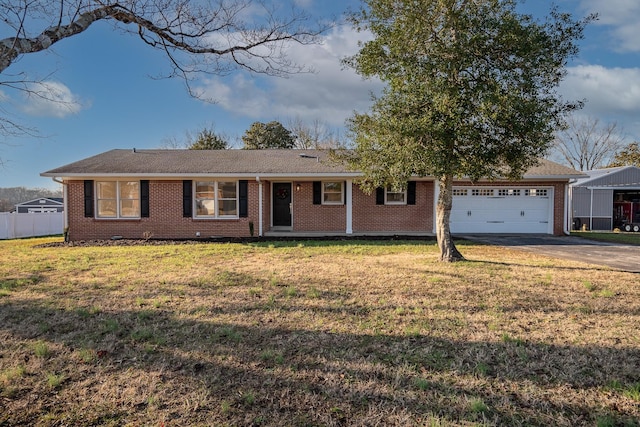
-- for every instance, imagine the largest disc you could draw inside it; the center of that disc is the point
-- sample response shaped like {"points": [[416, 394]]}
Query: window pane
{"points": [[205, 208], [205, 190], [395, 197], [129, 190], [107, 208], [130, 208], [227, 190], [106, 189], [333, 197], [228, 207], [333, 187]]}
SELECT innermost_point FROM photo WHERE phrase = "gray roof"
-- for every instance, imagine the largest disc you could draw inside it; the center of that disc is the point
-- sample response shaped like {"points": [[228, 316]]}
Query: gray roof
{"points": [[237, 163], [57, 201], [619, 177]]}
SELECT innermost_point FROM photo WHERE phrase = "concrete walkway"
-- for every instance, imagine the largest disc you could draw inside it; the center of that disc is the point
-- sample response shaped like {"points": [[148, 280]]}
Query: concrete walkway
{"points": [[618, 256]]}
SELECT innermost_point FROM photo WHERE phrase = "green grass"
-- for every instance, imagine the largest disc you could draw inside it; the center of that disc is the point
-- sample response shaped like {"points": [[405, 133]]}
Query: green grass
{"points": [[313, 333], [625, 238]]}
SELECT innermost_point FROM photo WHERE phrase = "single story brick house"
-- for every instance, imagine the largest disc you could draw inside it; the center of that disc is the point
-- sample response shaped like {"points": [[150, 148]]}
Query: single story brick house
{"points": [[181, 194]]}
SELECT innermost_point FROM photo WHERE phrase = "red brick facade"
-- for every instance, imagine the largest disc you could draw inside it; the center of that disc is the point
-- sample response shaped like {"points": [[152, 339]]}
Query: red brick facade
{"points": [[166, 219], [370, 217]]}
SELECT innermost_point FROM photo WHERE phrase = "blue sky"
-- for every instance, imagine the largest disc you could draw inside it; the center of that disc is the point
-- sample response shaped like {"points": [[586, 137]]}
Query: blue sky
{"points": [[112, 101]]}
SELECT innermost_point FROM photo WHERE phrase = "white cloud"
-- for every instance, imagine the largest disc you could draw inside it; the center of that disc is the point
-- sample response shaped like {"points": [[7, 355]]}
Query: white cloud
{"points": [[51, 99], [610, 93], [622, 16], [331, 93]]}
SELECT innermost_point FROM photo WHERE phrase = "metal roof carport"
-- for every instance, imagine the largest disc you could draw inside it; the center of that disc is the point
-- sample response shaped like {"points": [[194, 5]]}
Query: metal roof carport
{"points": [[592, 198]]}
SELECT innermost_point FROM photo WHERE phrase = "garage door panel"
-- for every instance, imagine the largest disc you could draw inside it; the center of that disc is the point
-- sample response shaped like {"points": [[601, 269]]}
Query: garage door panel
{"points": [[525, 211]]}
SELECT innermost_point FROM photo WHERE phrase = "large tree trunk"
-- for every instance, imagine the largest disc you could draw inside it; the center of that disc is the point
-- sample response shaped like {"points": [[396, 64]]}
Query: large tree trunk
{"points": [[448, 250]]}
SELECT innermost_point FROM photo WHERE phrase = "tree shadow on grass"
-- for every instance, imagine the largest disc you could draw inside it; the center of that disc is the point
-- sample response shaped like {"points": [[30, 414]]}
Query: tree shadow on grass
{"points": [[152, 364]]}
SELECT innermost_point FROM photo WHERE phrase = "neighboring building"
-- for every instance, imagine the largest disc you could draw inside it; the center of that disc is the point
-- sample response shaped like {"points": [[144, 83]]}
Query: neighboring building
{"points": [[238, 193], [607, 199], [41, 205]]}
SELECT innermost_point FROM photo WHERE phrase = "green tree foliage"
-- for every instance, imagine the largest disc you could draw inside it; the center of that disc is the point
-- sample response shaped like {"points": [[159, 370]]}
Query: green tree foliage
{"points": [[470, 93], [207, 139], [628, 156], [267, 135]]}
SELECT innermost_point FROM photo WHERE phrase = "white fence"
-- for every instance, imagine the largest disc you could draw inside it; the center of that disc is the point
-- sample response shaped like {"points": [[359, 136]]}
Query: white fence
{"points": [[18, 225]]}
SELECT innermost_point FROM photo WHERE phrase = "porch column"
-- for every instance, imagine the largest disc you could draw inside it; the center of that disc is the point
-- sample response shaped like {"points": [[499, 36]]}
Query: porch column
{"points": [[349, 197]]}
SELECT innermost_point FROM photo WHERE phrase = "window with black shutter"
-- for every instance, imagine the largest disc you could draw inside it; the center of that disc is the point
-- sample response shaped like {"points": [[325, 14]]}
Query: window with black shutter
{"points": [[187, 198], [88, 198]]}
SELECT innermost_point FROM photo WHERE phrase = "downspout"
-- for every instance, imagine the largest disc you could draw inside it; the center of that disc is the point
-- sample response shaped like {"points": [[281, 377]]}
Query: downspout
{"points": [[259, 206], [65, 207], [568, 203], [349, 190]]}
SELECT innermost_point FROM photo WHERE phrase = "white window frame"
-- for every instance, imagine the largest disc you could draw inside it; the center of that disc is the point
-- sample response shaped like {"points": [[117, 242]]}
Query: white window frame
{"points": [[217, 199], [536, 192], [388, 190], [509, 192], [482, 192], [118, 200], [324, 192]]}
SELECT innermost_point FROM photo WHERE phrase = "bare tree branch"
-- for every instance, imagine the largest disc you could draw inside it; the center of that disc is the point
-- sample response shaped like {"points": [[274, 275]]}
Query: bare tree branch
{"points": [[214, 37], [586, 143]]}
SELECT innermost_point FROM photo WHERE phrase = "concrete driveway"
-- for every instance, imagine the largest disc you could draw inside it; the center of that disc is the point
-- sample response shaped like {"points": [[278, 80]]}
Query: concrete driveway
{"points": [[620, 257]]}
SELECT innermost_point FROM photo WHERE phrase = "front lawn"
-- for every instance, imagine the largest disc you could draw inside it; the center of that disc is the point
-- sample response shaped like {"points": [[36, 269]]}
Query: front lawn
{"points": [[313, 334], [621, 237]]}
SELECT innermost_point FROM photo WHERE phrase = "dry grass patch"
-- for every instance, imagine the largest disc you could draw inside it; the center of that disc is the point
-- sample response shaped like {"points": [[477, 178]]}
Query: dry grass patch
{"points": [[313, 333]]}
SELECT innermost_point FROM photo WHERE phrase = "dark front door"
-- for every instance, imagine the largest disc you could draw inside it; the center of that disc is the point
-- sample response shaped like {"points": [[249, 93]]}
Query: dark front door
{"points": [[282, 204]]}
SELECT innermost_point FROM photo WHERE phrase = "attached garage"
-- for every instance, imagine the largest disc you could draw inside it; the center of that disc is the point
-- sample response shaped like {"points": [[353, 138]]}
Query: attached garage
{"points": [[502, 209]]}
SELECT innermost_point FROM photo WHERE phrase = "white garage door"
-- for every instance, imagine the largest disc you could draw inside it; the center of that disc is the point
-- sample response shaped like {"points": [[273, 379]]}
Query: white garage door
{"points": [[502, 210]]}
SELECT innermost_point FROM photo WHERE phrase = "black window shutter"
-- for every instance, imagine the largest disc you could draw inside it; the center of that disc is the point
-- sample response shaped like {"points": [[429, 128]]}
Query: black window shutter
{"points": [[88, 198], [144, 198], [187, 198], [243, 198], [411, 193], [379, 196], [317, 192]]}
